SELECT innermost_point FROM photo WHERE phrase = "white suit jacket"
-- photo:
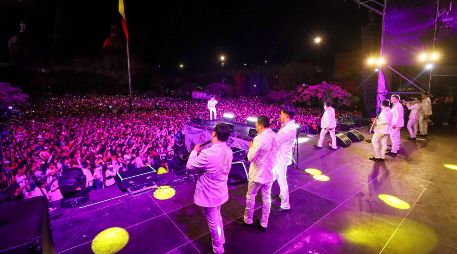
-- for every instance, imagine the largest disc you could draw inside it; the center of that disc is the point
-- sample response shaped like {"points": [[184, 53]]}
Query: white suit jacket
{"points": [[262, 155], [328, 119], [214, 163], [286, 140], [426, 107], [415, 110], [398, 115], [384, 122], [212, 104]]}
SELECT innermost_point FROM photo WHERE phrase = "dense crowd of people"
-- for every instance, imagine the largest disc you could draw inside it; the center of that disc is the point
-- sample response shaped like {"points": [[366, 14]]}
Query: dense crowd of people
{"points": [[100, 136]]}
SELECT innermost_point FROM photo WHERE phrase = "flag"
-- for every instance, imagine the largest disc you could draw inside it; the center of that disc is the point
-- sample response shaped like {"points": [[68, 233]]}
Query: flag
{"points": [[124, 22]]}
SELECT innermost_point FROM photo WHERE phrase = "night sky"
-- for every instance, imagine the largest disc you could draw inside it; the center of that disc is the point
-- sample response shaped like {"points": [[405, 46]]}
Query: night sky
{"points": [[192, 32]]}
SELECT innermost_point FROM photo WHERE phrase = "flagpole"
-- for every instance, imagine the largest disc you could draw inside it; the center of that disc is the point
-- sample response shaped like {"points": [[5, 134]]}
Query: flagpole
{"points": [[129, 77]]}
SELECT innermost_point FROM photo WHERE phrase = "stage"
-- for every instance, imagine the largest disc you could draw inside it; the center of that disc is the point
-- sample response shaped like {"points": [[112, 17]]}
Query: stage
{"points": [[341, 215]]}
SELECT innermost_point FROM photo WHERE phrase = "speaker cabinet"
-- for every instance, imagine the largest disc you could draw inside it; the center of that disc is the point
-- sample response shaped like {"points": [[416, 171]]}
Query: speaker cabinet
{"points": [[342, 140], [355, 136]]}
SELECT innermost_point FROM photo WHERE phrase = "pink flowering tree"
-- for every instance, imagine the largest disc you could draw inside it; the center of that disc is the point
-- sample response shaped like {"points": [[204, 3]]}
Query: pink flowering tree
{"points": [[321, 92]]}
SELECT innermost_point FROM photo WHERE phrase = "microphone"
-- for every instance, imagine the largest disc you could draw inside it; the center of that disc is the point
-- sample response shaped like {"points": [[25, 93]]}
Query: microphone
{"points": [[204, 144]]}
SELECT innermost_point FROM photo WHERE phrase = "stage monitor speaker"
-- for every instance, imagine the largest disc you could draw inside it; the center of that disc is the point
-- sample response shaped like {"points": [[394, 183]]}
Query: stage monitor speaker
{"points": [[355, 136], [72, 181], [342, 140], [25, 227], [239, 172], [135, 177]]}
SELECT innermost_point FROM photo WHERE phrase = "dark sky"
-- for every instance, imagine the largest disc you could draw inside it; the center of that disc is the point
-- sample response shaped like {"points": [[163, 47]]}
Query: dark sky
{"points": [[192, 32]]}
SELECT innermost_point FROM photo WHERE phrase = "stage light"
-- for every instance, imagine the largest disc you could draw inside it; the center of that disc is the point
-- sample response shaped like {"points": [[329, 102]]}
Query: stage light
{"points": [[450, 166], [313, 171], [394, 201], [317, 40], [164, 192], [222, 58], [321, 178], [303, 140], [110, 240], [228, 116], [251, 119], [429, 66], [422, 57], [376, 70], [371, 61], [434, 56], [380, 61], [181, 66]]}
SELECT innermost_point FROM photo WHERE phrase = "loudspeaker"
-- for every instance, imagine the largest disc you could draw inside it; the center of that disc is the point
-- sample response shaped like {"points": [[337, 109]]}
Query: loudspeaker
{"points": [[135, 177], [238, 172], [72, 181], [342, 140], [355, 136], [25, 227]]}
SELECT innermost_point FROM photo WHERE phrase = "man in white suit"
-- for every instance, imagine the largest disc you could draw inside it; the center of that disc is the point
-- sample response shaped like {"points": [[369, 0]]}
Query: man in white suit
{"points": [[328, 124], [397, 123], [425, 114], [415, 108], [212, 108], [286, 140], [262, 155], [382, 129]]}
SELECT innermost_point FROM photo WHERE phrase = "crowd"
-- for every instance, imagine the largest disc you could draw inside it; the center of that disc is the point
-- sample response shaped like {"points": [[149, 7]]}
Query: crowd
{"points": [[100, 136]]}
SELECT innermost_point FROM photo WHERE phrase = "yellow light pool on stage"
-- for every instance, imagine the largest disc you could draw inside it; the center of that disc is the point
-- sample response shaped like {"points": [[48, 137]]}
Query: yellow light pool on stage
{"points": [[313, 171], [321, 178], [450, 166], [394, 201], [110, 240], [164, 192]]}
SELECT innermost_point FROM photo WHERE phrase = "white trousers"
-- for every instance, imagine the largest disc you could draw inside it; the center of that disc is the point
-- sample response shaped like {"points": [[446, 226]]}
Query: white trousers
{"points": [[216, 227], [281, 175], [395, 139], [212, 114], [332, 135], [412, 127], [423, 125], [379, 142], [253, 189]]}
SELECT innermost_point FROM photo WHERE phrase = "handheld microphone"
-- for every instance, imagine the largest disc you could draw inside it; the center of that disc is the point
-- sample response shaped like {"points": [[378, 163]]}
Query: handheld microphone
{"points": [[204, 144]]}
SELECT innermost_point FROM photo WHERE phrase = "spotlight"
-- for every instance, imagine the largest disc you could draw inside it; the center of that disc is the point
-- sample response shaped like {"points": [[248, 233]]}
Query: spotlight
{"points": [[222, 58], [434, 56], [251, 119], [376, 70], [228, 116], [371, 61], [394, 201], [422, 57], [181, 66], [317, 40], [429, 66], [380, 61]]}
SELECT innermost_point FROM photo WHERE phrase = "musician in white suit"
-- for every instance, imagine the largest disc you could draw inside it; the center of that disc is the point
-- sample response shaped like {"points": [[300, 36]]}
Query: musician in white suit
{"points": [[328, 124], [397, 123], [212, 108], [382, 128], [262, 155], [286, 140], [415, 108], [425, 113]]}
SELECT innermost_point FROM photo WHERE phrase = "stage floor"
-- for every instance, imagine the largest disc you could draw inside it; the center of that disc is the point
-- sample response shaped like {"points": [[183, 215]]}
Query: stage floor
{"points": [[341, 215]]}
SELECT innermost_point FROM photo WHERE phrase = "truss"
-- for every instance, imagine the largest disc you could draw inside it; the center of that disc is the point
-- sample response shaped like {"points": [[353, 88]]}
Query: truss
{"points": [[377, 6]]}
